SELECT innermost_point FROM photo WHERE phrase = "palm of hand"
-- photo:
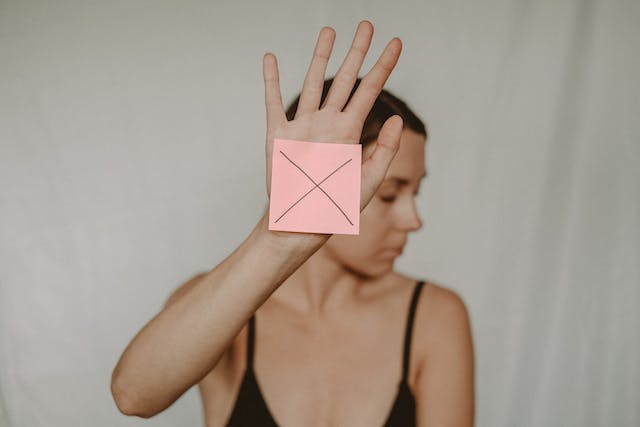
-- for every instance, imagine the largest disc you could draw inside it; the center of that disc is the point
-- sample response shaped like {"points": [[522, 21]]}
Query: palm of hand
{"points": [[320, 126]]}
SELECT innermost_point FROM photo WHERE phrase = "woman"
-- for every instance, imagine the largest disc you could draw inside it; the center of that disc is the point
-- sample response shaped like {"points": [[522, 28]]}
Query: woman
{"points": [[305, 329]]}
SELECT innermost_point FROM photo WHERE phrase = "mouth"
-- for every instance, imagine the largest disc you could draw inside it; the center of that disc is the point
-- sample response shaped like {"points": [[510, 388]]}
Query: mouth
{"points": [[392, 252]]}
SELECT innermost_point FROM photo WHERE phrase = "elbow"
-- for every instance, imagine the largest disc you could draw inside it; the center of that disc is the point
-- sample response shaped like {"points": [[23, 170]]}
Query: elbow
{"points": [[126, 403]]}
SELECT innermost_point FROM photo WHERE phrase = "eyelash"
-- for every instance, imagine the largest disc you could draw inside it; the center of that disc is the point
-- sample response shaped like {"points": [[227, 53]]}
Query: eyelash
{"points": [[392, 198]]}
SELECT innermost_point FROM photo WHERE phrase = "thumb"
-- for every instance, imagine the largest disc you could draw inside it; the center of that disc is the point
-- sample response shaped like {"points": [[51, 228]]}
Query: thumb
{"points": [[375, 167]]}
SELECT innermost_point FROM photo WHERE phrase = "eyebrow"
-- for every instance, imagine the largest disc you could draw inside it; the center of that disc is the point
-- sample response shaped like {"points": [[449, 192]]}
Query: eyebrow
{"points": [[404, 181]]}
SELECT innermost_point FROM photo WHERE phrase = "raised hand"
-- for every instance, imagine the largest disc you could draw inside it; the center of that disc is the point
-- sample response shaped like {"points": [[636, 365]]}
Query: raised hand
{"points": [[333, 121]]}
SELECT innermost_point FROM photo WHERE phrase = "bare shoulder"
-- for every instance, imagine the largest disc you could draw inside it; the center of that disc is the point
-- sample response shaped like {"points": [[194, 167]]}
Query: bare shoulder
{"points": [[441, 317], [444, 381], [435, 299], [442, 303]]}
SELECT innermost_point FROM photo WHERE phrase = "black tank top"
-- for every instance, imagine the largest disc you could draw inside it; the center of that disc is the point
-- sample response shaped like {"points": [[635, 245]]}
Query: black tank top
{"points": [[251, 410]]}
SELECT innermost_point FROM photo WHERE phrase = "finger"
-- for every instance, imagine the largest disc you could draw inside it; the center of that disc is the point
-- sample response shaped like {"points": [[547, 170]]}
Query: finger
{"points": [[375, 166], [371, 85], [314, 81], [348, 73], [272, 97]]}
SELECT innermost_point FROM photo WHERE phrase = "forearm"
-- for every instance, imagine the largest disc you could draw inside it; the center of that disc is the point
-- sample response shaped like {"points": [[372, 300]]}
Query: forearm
{"points": [[183, 342]]}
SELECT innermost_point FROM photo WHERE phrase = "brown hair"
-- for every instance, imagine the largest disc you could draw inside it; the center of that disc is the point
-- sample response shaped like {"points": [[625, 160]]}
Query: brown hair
{"points": [[385, 106]]}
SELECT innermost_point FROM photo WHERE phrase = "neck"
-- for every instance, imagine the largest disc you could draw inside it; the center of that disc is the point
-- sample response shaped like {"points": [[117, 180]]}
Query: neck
{"points": [[321, 287]]}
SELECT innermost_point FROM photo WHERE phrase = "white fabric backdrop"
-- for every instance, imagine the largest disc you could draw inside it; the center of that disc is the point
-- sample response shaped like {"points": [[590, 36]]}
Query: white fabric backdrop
{"points": [[132, 157]]}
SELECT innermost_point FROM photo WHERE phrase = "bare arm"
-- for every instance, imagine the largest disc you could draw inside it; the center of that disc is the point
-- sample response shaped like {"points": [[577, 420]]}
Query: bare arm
{"points": [[185, 341], [445, 384]]}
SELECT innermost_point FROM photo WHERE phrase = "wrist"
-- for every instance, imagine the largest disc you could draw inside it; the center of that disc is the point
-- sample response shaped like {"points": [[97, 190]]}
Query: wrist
{"points": [[292, 242]]}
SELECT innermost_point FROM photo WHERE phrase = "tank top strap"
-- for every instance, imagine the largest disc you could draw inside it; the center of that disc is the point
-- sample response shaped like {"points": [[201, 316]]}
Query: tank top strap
{"points": [[409, 329], [250, 342]]}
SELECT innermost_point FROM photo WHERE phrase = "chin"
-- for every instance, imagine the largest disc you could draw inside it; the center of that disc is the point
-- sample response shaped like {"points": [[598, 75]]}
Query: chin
{"points": [[373, 268], [369, 273], [382, 269]]}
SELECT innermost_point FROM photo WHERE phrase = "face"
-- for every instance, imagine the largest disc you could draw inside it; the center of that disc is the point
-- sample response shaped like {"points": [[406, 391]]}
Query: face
{"points": [[390, 216]]}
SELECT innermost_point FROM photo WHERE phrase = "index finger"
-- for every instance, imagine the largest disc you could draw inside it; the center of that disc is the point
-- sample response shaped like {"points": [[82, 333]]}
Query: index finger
{"points": [[372, 83]]}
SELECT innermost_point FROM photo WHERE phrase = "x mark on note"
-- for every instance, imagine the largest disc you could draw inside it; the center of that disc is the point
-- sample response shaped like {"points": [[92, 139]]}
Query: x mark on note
{"points": [[317, 185]]}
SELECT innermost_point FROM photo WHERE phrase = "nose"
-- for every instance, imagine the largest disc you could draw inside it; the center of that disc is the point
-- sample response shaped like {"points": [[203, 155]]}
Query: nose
{"points": [[410, 219]]}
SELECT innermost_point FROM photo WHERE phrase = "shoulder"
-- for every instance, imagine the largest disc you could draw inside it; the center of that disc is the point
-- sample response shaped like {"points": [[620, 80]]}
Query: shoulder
{"points": [[442, 303], [436, 300], [444, 380], [442, 323], [448, 362]]}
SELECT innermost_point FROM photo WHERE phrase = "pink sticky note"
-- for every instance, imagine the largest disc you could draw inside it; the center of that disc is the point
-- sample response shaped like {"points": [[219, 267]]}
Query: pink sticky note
{"points": [[315, 187]]}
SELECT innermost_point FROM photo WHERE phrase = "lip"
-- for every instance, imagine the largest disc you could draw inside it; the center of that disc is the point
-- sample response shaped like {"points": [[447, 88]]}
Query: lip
{"points": [[393, 252]]}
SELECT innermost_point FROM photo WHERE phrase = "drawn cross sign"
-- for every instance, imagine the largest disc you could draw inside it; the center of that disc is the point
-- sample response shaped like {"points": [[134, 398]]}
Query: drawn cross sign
{"points": [[316, 185], [334, 169]]}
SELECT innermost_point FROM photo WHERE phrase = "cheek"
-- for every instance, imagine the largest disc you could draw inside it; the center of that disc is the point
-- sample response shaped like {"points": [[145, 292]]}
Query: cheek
{"points": [[373, 226], [375, 217], [361, 253], [351, 248], [362, 247]]}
